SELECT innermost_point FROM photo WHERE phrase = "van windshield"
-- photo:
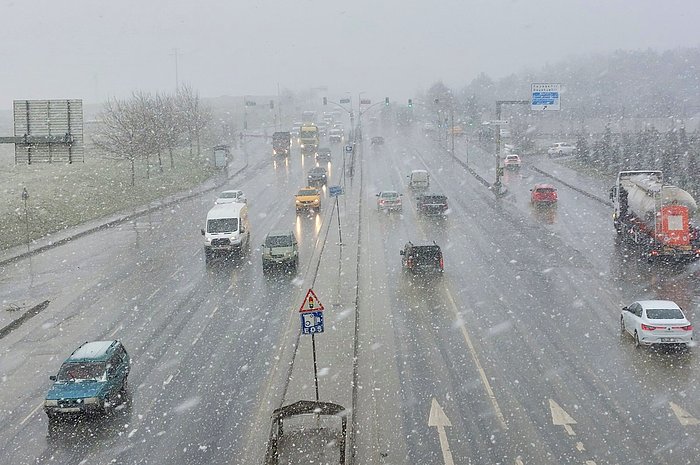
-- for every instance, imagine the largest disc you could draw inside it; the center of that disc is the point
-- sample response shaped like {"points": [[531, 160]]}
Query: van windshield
{"points": [[222, 225]]}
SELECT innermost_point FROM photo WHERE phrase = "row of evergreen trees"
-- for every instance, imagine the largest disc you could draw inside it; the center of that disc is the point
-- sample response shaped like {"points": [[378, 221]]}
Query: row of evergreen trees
{"points": [[675, 152]]}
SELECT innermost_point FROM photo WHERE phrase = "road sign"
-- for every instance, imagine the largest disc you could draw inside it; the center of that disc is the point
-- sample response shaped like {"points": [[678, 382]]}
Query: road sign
{"points": [[344, 100], [311, 322], [365, 101], [250, 103], [335, 191], [348, 148], [500, 122], [545, 96], [311, 303]]}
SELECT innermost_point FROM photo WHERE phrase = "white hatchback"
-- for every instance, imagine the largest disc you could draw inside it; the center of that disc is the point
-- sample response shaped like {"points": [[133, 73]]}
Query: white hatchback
{"points": [[234, 196], [656, 322]]}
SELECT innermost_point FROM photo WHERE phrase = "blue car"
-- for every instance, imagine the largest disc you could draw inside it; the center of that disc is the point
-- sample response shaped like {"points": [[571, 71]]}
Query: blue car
{"points": [[91, 380]]}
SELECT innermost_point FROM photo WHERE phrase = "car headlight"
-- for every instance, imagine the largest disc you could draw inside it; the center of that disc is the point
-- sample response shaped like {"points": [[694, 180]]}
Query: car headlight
{"points": [[298, 201], [316, 200], [51, 403], [91, 400]]}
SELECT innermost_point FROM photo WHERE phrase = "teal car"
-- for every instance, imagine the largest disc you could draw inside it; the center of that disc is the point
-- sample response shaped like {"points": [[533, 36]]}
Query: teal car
{"points": [[92, 380]]}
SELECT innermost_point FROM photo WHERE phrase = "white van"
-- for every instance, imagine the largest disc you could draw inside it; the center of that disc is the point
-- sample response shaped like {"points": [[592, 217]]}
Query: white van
{"points": [[227, 230], [419, 179]]}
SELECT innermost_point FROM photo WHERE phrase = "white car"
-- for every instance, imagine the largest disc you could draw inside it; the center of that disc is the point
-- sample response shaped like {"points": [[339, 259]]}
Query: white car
{"points": [[512, 161], [389, 200], [234, 196], [560, 149], [656, 322]]}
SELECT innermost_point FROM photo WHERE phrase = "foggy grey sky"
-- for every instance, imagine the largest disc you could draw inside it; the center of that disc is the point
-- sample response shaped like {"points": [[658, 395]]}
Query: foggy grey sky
{"points": [[93, 49]]}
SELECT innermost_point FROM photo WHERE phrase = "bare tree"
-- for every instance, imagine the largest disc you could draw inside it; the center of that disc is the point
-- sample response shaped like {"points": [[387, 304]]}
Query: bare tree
{"points": [[195, 115], [119, 133]]}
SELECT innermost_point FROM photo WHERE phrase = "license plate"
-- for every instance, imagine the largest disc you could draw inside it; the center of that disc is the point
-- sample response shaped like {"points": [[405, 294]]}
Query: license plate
{"points": [[668, 339], [69, 409]]}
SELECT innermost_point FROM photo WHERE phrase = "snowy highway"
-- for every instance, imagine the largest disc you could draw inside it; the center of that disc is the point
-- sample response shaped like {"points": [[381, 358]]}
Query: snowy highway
{"points": [[512, 356]]}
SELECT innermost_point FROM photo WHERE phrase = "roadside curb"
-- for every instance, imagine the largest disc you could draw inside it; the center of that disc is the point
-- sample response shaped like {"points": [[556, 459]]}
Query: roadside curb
{"points": [[122, 218], [571, 186]]}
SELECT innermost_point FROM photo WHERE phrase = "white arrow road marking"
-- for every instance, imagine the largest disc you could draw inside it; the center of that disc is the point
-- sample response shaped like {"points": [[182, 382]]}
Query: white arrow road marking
{"points": [[683, 416], [438, 418], [560, 417], [519, 460]]}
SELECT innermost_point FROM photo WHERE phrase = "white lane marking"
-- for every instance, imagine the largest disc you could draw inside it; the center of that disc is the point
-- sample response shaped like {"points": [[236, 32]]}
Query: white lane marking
{"points": [[152, 294], [31, 414], [685, 418], [438, 419], [475, 357], [211, 315], [119, 328], [590, 462], [167, 380], [561, 418], [579, 447], [519, 460], [176, 272]]}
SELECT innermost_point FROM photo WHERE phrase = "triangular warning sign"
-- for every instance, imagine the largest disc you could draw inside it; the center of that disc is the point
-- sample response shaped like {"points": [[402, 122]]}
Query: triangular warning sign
{"points": [[311, 303]]}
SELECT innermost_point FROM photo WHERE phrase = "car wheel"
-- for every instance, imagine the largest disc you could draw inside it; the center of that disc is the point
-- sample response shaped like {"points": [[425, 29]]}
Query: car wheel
{"points": [[636, 339], [622, 326]]}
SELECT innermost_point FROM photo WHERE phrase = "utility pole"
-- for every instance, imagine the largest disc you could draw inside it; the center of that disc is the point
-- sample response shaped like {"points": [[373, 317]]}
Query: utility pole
{"points": [[452, 116], [499, 104], [25, 198], [177, 80]]}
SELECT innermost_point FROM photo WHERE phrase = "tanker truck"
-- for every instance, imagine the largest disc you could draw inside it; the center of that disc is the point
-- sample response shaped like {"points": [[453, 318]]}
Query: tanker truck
{"points": [[655, 217]]}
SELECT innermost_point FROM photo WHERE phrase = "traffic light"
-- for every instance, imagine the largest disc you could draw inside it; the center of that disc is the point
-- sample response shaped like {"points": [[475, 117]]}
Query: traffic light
{"points": [[325, 100], [410, 103], [386, 101]]}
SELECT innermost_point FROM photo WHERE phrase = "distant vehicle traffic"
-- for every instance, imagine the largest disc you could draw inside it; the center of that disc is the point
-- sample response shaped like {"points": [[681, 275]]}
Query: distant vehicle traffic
{"points": [[280, 249], [92, 380], [543, 194], [418, 179], [318, 176], [281, 143], [431, 204], [227, 230], [231, 196], [656, 322], [389, 201], [654, 216], [560, 149], [308, 198], [512, 162], [420, 258], [308, 139], [323, 154], [336, 135]]}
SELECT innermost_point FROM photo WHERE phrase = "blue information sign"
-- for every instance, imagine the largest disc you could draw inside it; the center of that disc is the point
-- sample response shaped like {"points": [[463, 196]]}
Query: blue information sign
{"points": [[311, 322], [335, 191], [545, 96]]}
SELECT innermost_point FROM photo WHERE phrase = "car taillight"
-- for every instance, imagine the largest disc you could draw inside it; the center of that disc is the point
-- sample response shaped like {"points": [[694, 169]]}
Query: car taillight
{"points": [[654, 252], [442, 264], [409, 262], [685, 328], [649, 327]]}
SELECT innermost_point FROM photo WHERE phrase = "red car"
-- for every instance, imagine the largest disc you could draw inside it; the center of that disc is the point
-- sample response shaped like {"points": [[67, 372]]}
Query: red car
{"points": [[543, 194]]}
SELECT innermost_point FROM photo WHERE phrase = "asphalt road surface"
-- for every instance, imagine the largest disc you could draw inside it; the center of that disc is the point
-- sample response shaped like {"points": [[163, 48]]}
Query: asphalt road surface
{"points": [[513, 355]]}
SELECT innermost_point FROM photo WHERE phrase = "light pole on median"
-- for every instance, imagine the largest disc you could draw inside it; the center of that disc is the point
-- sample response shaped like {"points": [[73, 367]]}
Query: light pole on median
{"points": [[25, 198]]}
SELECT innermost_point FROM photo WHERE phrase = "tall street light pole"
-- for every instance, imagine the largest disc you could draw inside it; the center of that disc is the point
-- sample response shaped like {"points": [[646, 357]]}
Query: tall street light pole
{"points": [[25, 198]]}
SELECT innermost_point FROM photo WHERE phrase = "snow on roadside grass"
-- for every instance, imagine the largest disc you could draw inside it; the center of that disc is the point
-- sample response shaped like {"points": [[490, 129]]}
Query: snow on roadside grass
{"points": [[63, 195]]}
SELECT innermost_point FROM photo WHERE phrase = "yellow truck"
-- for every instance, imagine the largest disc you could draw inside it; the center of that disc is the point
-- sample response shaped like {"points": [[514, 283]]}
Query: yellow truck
{"points": [[308, 139], [308, 198]]}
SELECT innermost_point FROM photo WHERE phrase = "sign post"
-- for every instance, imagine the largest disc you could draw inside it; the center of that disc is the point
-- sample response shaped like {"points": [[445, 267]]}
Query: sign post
{"points": [[336, 191], [311, 313]]}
